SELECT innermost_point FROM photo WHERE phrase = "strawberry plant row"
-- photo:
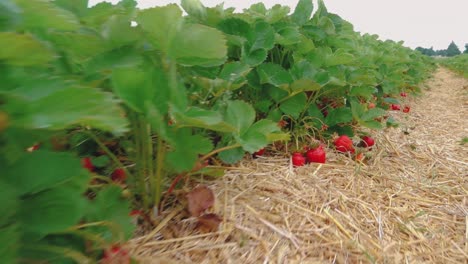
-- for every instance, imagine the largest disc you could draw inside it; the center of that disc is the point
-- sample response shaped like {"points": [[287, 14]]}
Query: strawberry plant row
{"points": [[102, 108]]}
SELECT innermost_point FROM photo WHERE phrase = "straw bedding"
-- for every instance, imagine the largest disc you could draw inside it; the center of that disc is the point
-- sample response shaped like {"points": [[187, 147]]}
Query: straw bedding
{"points": [[407, 204]]}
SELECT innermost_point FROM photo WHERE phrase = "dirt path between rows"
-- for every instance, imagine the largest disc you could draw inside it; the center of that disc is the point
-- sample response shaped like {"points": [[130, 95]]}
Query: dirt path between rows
{"points": [[407, 204]]}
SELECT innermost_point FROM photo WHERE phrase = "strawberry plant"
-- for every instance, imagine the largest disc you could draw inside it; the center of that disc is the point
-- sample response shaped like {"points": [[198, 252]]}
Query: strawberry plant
{"points": [[107, 106]]}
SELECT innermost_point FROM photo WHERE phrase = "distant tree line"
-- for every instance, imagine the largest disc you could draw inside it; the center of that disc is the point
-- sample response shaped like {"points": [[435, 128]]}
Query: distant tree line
{"points": [[452, 50]]}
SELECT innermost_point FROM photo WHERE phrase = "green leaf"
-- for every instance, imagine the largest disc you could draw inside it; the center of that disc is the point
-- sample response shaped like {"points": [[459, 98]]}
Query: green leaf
{"points": [[111, 207], [317, 116], [51, 211], [77, 7], [194, 8], [253, 140], [234, 71], [338, 115], [391, 122], [162, 24], [277, 94], [391, 100], [260, 134], [373, 113], [80, 46], [10, 15], [356, 108], [239, 114], [117, 30], [186, 149], [46, 15], [73, 106], [10, 241], [41, 170], [302, 12], [288, 36], [265, 127], [255, 57], [340, 57], [364, 91], [258, 8], [10, 198], [199, 45], [232, 156], [261, 37], [125, 57], [304, 85], [100, 161], [276, 13], [134, 86], [273, 74], [327, 25], [372, 124], [23, 50], [235, 26], [295, 105], [198, 117]]}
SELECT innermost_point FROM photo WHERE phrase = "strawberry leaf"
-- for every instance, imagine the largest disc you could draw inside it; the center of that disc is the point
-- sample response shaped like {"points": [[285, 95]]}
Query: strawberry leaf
{"points": [[40, 170], [186, 149], [109, 205]]}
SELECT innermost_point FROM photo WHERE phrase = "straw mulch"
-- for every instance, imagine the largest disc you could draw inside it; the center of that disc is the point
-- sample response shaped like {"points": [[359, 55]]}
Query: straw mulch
{"points": [[407, 204]]}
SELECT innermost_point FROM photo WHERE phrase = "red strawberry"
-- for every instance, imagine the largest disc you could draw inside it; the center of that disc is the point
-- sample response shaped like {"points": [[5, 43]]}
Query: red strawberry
{"points": [[368, 141], [259, 153], [371, 105], [135, 213], [344, 144], [33, 147], [403, 94], [406, 109], [119, 175], [395, 107], [115, 255], [87, 164], [298, 159], [316, 155]]}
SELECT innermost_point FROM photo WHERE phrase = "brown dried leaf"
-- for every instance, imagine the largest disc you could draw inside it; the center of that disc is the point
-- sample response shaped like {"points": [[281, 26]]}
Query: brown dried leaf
{"points": [[209, 223], [200, 199]]}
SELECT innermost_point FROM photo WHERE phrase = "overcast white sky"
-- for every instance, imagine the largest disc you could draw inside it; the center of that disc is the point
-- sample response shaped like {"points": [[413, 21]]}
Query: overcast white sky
{"points": [[417, 22]]}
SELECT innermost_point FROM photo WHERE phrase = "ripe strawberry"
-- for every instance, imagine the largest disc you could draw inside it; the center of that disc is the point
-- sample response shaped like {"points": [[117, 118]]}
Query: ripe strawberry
{"points": [[403, 94], [406, 109], [371, 105], [317, 155], [87, 164], [395, 107], [115, 255], [259, 153], [33, 147], [119, 175], [298, 159], [368, 141], [344, 144], [135, 212]]}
